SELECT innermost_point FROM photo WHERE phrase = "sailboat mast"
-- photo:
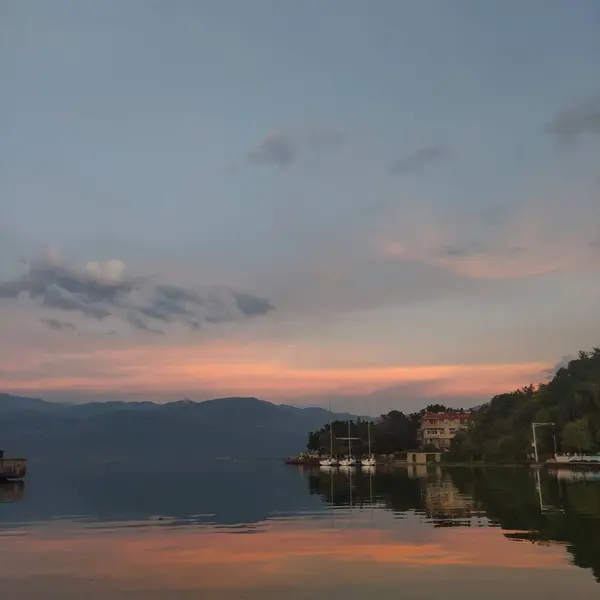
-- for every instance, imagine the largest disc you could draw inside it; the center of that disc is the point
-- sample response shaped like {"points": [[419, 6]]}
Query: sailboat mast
{"points": [[349, 441], [369, 430], [330, 433]]}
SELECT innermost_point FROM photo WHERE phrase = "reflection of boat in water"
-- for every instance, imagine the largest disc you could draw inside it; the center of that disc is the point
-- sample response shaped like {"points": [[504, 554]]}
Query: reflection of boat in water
{"points": [[348, 469], [11, 491], [327, 469], [575, 475], [367, 470], [12, 468]]}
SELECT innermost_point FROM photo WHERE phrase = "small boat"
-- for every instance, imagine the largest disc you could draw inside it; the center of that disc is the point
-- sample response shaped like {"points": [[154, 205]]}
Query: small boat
{"points": [[329, 462], [302, 459], [348, 460]]}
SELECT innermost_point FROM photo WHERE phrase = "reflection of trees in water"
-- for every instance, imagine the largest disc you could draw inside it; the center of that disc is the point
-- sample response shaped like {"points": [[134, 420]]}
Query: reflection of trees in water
{"points": [[11, 491], [429, 492], [560, 511], [392, 490]]}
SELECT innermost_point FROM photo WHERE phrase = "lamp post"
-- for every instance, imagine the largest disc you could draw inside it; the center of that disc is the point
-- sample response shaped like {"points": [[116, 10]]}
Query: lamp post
{"points": [[533, 426]]}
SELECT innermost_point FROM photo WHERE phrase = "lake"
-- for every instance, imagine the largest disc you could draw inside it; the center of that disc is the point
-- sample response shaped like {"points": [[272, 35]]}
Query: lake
{"points": [[261, 530]]}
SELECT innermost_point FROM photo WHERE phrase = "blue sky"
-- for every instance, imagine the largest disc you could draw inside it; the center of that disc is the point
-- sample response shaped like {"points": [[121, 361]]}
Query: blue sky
{"points": [[405, 186]]}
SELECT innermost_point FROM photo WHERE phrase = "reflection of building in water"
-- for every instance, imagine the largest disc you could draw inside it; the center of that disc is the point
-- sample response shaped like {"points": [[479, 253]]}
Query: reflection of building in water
{"points": [[11, 491], [422, 471], [442, 499]]}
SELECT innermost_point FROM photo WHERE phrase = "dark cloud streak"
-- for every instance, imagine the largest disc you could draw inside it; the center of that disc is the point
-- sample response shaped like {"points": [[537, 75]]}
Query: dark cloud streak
{"points": [[251, 305], [277, 149], [417, 161], [282, 148], [57, 325], [576, 121], [139, 324]]}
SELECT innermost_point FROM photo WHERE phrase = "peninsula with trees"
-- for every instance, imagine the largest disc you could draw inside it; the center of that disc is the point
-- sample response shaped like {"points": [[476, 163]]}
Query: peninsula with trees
{"points": [[499, 430]]}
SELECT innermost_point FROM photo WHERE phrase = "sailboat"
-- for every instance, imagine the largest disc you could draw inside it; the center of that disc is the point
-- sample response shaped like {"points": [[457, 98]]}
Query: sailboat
{"points": [[370, 460], [330, 461], [349, 460]]}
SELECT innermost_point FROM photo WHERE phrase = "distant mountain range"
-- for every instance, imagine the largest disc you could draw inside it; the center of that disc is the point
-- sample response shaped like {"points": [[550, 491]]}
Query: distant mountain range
{"points": [[153, 433]]}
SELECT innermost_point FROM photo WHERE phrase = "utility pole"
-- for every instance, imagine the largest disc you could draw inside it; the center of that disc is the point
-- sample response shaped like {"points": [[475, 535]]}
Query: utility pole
{"points": [[535, 449]]}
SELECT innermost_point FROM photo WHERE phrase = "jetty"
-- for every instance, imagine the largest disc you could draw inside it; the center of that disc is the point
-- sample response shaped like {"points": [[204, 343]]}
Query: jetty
{"points": [[310, 459], [12, 468]]}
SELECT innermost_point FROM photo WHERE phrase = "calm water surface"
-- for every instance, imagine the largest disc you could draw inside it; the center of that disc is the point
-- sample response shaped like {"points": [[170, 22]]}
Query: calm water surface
{"points": [[229, 530]]}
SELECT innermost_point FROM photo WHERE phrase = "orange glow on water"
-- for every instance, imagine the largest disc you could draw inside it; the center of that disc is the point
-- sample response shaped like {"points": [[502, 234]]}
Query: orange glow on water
{"points": [[279, 554]]}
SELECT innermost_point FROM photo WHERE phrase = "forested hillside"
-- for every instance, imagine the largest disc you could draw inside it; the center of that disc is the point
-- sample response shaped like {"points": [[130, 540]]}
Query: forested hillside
{"points": [[501, 429], [391, 433]]}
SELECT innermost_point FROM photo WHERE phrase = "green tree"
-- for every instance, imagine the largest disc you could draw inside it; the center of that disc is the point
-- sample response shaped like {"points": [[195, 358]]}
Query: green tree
{"points": [[576, 436]]}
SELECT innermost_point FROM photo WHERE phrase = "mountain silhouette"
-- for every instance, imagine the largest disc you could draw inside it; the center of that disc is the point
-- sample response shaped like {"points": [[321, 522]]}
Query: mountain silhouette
{"points": [[180, 431]]}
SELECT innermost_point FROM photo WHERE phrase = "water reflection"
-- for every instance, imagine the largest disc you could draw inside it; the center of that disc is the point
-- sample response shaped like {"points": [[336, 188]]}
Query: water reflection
{"points": [[11, 491], [359, 530], [556, 507]]}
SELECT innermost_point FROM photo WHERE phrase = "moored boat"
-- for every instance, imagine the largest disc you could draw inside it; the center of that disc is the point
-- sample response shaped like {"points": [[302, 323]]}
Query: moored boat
{"points": [[330, 461], [574, 458], [369, 461]]}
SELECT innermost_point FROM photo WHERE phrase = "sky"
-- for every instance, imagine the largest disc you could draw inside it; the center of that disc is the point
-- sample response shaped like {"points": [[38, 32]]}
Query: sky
{"points": [[379, 204]]}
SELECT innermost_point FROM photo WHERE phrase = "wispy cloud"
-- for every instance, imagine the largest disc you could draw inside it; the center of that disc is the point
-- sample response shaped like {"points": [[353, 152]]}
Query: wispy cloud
{"points": [[138, 323], [102, 291], [282, 148], [58, 325], [534, 237], [419, 160], [576, 121], [277, 149]]}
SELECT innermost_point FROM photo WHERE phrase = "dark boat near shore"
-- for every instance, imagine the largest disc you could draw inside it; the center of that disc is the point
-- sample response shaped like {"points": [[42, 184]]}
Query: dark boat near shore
{"points": [[303, 459], [12, 468]]}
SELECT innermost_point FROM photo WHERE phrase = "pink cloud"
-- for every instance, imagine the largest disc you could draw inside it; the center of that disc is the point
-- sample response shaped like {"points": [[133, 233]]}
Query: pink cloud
{"points": [[269, 370]]}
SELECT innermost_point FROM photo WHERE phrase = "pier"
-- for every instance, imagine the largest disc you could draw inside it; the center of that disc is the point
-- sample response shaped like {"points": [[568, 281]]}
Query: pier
{"points": [[12, 468]]}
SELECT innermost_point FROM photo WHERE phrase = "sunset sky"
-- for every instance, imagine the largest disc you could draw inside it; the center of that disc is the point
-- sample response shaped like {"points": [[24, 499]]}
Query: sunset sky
{"points": [[380, 203]]}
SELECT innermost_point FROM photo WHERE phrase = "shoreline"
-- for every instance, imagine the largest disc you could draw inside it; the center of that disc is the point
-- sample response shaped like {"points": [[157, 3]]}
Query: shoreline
{"points": [[391, 464]]}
